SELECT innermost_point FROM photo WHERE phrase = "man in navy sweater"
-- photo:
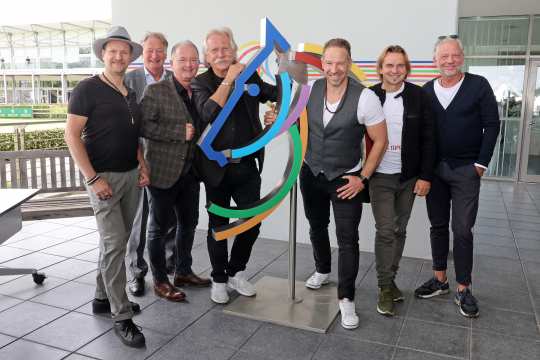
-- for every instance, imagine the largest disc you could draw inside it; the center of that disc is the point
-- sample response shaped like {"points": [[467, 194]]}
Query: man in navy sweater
{"points": [[467, 123]]}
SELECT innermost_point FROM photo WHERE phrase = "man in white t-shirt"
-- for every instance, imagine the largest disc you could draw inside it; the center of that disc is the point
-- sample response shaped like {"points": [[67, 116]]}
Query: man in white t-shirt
{"points": [[405, 171], [340, 110]]}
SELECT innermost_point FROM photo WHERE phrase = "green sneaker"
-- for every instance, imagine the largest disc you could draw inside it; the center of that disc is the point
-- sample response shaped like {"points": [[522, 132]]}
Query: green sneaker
{"points": [[397, 295], [385, 305]]}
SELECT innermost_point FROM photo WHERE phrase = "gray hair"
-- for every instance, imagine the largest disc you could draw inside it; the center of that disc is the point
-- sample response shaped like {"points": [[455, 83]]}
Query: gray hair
{"points": [[220, 31], [158, 36], [183, 43], [447, 40]]}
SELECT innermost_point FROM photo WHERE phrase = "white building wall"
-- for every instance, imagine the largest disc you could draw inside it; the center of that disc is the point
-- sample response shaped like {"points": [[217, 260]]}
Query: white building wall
{"points": [[369, 26]]}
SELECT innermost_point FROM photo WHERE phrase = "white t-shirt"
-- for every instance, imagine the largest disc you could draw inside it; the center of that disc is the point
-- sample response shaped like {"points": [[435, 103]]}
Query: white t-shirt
{"points": [[446, 95], [393, 111], [369, 112]]}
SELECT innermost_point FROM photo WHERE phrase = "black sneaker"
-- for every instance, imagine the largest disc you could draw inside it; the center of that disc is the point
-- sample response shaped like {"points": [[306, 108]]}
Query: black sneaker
{"points": [[129, 333], [103, 306], [467, 304], [431, 288]]}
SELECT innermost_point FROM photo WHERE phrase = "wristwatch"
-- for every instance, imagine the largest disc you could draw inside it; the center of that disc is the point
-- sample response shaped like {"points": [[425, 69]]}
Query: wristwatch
{"points": [[364, 179]]}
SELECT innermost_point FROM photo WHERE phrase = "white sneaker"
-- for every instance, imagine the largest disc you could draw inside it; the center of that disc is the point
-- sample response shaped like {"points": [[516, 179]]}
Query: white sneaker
{"points": [[239, 283], [218, 294], [349, 319], [317, 280]]}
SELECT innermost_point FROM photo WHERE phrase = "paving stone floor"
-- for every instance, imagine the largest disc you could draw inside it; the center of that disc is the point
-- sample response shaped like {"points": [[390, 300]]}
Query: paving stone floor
{"points": [[54, 321]]}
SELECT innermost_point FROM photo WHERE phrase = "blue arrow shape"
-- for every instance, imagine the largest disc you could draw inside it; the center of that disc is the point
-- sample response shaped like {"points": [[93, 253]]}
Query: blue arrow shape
{"points": [[272, 37]]}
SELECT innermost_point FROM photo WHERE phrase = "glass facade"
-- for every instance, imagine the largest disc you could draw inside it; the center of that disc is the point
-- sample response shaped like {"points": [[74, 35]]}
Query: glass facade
{"points": [[499, 36], [498, 48], [535, 38], [39, 63]]}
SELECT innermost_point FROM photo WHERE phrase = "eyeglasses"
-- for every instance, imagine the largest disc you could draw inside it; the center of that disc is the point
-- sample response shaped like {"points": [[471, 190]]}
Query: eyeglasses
{"points": [[453, 36], [191, 61]]}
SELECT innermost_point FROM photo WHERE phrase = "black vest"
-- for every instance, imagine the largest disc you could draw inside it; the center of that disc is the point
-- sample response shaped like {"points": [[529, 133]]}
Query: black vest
{"points": [[336, 148]]}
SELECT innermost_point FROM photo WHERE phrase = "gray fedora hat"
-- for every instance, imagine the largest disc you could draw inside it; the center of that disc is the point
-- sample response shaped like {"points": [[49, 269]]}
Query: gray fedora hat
{"points": [[117, 33]]}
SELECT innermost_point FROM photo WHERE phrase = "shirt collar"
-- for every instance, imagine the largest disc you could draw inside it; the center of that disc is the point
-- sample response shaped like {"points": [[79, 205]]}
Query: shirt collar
{"points": [[179, 87], [150, 79], [399, 91]]}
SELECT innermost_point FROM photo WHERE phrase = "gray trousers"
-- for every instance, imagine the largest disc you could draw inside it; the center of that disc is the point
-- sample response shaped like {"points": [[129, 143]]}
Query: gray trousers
{"points": [[137, 265], [391, 202], [114, 218], [135, 262]]}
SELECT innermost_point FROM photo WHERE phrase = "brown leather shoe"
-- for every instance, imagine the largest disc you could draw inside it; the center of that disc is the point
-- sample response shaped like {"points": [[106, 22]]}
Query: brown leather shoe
{"points": [[169, 292], [191, 279]]}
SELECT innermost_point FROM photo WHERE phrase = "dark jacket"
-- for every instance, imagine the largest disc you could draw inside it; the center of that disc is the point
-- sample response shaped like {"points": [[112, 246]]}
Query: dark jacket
{"points": [[203, 87], [418, 139], [136, 80], [164, 119], [467, 130]]}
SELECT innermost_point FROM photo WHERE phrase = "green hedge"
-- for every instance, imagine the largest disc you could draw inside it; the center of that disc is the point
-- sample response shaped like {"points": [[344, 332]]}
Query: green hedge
{"points": [[40, 139]]}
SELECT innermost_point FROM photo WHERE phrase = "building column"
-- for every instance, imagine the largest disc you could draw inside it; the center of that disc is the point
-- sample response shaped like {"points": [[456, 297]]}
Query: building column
{"points": [[5, 87], [64, 87], [33, 88]]}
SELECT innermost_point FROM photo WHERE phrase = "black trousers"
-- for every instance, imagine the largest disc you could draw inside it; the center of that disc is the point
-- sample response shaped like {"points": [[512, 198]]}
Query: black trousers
{"points": [[457, 190], [183, 198], [242, 183], [318, 193]]}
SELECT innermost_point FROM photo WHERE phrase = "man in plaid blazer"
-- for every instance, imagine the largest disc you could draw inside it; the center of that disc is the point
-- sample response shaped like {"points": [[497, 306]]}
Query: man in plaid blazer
{"points": [[168, 126]]}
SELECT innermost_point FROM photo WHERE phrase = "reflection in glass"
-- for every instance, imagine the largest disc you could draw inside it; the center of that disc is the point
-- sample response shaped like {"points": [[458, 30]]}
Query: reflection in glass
{"points": [[500, 36], [533, 163], [506, 79], [535, 40]]}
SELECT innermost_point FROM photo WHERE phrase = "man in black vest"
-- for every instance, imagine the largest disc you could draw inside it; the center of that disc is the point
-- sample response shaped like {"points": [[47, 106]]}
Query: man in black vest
{"points": [[340, 110], [405, 171], [467, 123]]}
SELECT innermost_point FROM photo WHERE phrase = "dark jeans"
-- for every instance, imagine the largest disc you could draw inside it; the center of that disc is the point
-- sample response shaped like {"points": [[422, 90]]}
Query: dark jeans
{"points": [[242, 183], [457, 189], [318, 193], [136, 263], [391, 202], [183, 198]]}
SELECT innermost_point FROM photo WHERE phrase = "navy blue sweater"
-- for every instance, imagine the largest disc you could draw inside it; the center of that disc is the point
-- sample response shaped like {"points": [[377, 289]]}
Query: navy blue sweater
{"points": [[467, 130]]}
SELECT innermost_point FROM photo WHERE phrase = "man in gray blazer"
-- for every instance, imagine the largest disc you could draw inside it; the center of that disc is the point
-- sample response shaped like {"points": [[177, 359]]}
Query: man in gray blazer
{"points": [[169, 122], [154, 56]]}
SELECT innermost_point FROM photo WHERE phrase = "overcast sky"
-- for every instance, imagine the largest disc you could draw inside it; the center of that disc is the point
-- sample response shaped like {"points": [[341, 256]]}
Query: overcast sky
{"points": [[23, 12]]}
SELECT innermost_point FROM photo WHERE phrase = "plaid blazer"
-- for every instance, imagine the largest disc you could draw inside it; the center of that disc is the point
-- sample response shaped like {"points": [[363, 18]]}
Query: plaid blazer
{"points": [[163, 127]]}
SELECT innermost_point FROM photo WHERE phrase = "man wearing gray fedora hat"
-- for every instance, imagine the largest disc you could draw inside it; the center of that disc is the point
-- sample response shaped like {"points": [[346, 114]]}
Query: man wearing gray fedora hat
{"points": [[102, 133]]}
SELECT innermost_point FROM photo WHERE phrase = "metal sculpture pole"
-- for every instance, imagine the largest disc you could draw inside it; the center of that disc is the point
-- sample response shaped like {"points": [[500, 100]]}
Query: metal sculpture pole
{"points": [[307, 309], [292, 244]]}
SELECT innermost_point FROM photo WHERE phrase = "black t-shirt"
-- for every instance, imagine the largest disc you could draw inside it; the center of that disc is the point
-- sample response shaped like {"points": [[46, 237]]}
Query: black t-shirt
{"points": [[111, 134]]}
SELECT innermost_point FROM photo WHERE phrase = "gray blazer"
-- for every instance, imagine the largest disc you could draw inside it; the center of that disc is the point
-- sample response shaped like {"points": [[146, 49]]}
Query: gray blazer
{"points": [[136, 80], [164, 119]]}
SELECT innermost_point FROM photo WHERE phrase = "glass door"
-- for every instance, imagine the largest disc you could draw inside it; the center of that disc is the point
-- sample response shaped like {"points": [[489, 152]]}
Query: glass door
{"points": [[530, 170]]}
